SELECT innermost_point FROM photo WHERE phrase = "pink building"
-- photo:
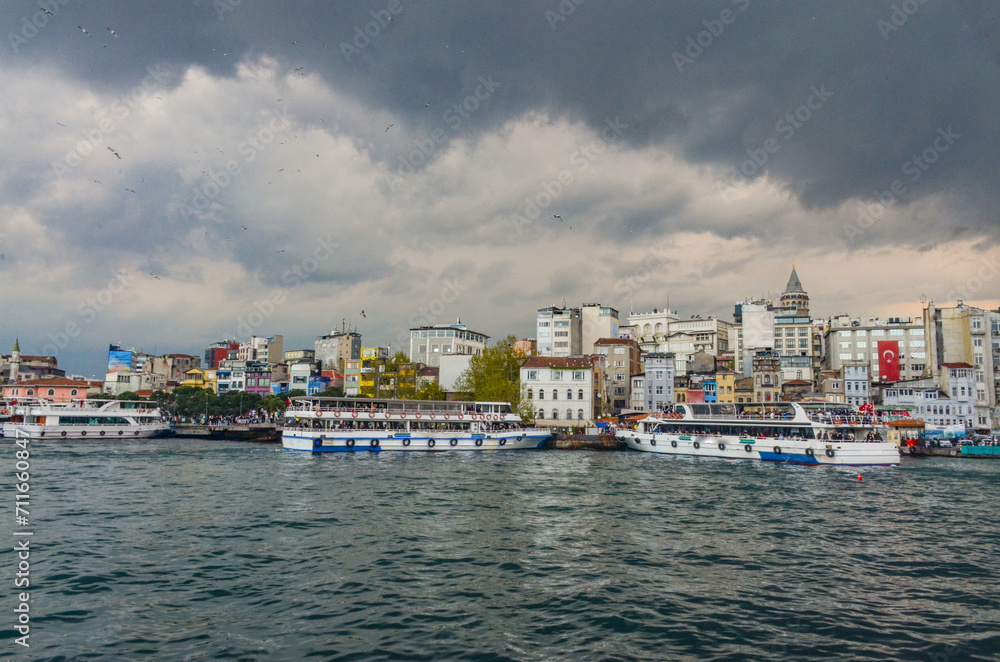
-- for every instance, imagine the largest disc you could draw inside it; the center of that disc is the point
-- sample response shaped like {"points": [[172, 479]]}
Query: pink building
{"points": [[59, 389]]}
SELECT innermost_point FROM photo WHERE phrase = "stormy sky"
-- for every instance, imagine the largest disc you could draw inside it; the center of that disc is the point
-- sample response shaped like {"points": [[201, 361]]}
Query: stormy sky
{"points": [[178, 173]]}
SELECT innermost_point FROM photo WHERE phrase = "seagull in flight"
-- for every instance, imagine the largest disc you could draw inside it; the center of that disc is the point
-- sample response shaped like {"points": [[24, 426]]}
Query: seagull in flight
{"points": [[363, 314], [113, 33], [245, 227], [280, 250], [389, 127], [46, 11], [427, 105], [154, 275], [130, 190], [110, 149], [61, 124], [83, 30], [557, 216]]}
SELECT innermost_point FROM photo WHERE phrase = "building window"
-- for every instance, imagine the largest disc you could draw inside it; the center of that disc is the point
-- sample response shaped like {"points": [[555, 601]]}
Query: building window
{"points": [[578, 375], [73, 392], [541, 394], [532, 374], [569, 414], [530, 397], [52, 391], [541, 413], [30, 391], [555, 415], [579, 394], [579, 414], [569, 394], [556, 375]]}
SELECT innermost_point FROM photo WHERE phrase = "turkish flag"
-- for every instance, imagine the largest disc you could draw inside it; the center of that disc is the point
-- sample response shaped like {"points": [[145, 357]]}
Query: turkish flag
{"points": [[888, 360]]}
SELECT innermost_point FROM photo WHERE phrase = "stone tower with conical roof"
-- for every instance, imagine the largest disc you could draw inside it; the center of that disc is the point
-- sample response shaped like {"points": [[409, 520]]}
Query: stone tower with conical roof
{"points": [[15, 362], [794, 297]]}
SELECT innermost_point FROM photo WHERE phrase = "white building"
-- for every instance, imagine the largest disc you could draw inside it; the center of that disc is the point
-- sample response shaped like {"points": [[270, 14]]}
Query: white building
{"points": [[857, 339], [429, 343], [596, 322], [451, 368], [116, 383], [561, 390], [933, 406], [269, 349], [559, 332], [638, 401], [661, 331], [857, 383]]}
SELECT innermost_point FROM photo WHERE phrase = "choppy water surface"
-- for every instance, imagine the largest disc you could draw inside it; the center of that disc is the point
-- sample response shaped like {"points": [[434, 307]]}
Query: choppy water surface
{"points": [[190, 550]]}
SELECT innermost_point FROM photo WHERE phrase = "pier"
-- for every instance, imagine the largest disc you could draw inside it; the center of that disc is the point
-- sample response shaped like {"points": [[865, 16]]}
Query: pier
{"points": [[269, 432]]}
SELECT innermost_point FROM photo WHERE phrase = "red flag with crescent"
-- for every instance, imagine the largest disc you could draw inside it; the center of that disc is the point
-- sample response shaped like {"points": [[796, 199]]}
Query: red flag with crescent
{"points": [[888, 360]]}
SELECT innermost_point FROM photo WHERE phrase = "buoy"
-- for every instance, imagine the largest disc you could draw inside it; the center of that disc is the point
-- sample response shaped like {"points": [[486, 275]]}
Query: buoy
{"points": [[859, 477]]}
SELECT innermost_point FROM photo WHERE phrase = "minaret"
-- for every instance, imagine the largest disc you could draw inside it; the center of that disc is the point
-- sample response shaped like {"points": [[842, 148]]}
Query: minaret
{"points": [[794, 297], [15, 362]]}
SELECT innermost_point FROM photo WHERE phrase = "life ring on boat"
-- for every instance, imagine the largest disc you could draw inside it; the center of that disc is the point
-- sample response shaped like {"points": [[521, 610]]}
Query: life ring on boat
{"points": [[853, 421], [748, 448], [402, 414], [953, 452], [652, 442], [810, 452], [387, 414], [371, 414], [317, 443], [504, 441], [722, 447], [374, 443], [64, 433], [319, 413], [83, 433], [674, 443], [431, 414], [417, 415], [479, 442], [829, 452], [350, 443], [430, 443], [637, 440], [336, 414], [406, 442], [120, 433], [354, 414], [102, 433], [697, 445], [136, 433], [519, 437], [461, 416], [836, 421], [777, 450], [453, 442], [447, 416]]}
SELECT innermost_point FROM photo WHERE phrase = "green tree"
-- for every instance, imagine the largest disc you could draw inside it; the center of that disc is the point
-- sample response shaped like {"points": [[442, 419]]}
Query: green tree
{"points": [[128, 395], [430, 391], [332, 392], [495, 376]]}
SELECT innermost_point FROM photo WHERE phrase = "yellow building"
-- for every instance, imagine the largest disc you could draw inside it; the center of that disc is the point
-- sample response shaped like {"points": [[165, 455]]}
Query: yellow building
{"points": [[725, 390], [201, 379]]}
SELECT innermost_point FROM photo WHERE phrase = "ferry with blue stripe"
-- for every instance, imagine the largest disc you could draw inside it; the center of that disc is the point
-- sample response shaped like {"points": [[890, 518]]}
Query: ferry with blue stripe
{"points": [[331, 425], [781, 432]]}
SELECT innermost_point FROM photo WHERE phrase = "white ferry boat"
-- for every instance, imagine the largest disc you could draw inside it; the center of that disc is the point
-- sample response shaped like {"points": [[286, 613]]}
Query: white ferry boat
{"points": [[782, 432], [83, 419], [318, 424]]}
